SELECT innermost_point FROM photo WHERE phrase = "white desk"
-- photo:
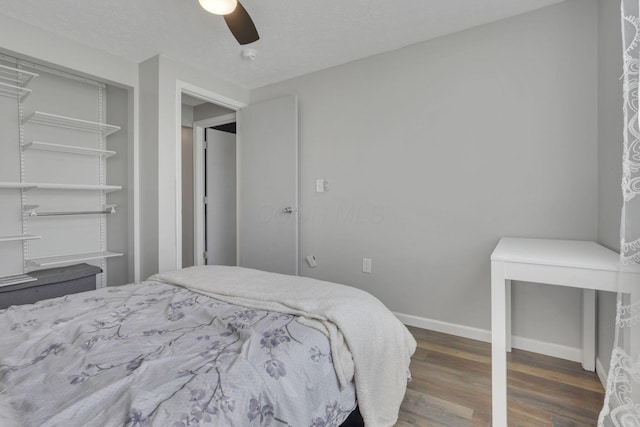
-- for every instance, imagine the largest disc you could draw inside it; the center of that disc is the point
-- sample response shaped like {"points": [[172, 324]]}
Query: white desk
{"points": [[577, 264]]}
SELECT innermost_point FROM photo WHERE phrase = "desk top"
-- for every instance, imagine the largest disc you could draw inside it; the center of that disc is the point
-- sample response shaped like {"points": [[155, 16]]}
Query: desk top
{"points": [[565, 253]]}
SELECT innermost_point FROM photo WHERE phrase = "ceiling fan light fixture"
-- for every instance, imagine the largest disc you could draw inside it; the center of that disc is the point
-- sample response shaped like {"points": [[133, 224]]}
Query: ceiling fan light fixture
{"points": [[219, 7]]}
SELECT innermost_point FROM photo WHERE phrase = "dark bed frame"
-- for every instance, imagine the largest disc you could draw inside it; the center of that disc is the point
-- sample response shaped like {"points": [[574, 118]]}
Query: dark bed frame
{"points": [[354, 419]]}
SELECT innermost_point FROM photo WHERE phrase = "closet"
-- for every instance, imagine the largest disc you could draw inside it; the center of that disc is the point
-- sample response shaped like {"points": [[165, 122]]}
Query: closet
{"points": [[55, 151]]}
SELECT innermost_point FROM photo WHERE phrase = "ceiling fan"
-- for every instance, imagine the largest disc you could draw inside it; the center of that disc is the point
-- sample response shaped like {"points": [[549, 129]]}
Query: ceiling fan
{"points": [[236, 17]]}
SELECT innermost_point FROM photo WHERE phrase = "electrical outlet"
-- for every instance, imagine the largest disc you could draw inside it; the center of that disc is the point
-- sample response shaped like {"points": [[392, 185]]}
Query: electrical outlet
{"points": [[311, 260], [366, 265]]}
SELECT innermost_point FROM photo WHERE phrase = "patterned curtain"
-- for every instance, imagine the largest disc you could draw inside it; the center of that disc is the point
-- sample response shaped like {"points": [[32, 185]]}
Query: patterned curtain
{"points": [[622, 399]]}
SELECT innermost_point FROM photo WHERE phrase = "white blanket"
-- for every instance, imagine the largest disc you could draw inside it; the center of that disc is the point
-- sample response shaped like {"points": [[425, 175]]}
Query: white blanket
{"points": [[362, 331]]}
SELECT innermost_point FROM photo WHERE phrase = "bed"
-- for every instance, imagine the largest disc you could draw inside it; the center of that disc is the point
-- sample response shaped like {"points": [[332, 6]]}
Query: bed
{"points": [[218, 346]]}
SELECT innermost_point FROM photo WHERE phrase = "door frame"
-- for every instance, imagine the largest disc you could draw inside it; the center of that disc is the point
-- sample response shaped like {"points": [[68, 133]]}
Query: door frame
{"points": [[198, 183], [186, 88]]}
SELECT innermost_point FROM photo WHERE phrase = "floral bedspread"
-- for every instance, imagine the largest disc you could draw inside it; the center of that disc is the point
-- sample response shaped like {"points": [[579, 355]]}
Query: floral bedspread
{"points": [[153, 354]]}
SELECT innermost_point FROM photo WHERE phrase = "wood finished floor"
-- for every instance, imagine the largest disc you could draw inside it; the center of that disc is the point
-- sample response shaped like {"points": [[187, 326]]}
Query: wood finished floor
{"points": [[451, 387]]}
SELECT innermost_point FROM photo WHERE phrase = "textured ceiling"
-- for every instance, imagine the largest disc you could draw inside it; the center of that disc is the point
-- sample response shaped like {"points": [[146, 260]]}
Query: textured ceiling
{"points": [[297, 36]]}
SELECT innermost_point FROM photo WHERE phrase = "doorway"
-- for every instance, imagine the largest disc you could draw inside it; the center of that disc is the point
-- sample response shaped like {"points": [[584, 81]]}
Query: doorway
{"points": [[208, 211], [266, 149]]}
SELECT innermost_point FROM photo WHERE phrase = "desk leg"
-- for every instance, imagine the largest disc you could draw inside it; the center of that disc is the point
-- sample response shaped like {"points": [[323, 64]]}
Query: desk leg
{"points": [[508, 311], [498, 345], [589, 329]]}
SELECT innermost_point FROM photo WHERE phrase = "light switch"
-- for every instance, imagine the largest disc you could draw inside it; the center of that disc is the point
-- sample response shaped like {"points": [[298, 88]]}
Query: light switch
{"points": [[320, 184]]}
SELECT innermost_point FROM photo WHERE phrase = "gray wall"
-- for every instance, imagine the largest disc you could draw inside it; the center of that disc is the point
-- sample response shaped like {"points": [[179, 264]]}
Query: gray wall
{"points": [[11, 255], [187, 115], [149, 134], [610, 126], [119, 269], [435, 151], [187, 195], [19, 38]]}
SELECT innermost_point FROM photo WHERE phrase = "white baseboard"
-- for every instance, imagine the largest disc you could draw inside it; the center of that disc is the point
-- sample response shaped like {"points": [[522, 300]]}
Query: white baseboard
{"points": [[445, 327], [602, 372], [546, 348]]}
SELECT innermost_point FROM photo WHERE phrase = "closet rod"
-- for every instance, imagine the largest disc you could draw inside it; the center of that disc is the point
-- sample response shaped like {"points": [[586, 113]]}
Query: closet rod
{"points": [[106, 211]]}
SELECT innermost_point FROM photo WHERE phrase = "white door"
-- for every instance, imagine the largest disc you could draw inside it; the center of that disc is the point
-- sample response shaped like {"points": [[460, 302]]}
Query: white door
{"points": [[268, 186], [221, 197]]}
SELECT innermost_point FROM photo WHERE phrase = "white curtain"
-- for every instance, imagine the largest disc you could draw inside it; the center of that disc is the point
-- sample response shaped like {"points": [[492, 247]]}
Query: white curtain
{"points": [[622, 399]]}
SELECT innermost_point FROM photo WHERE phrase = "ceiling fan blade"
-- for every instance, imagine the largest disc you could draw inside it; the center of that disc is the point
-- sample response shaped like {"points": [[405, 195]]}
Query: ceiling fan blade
{"points": [[241, 25]]}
